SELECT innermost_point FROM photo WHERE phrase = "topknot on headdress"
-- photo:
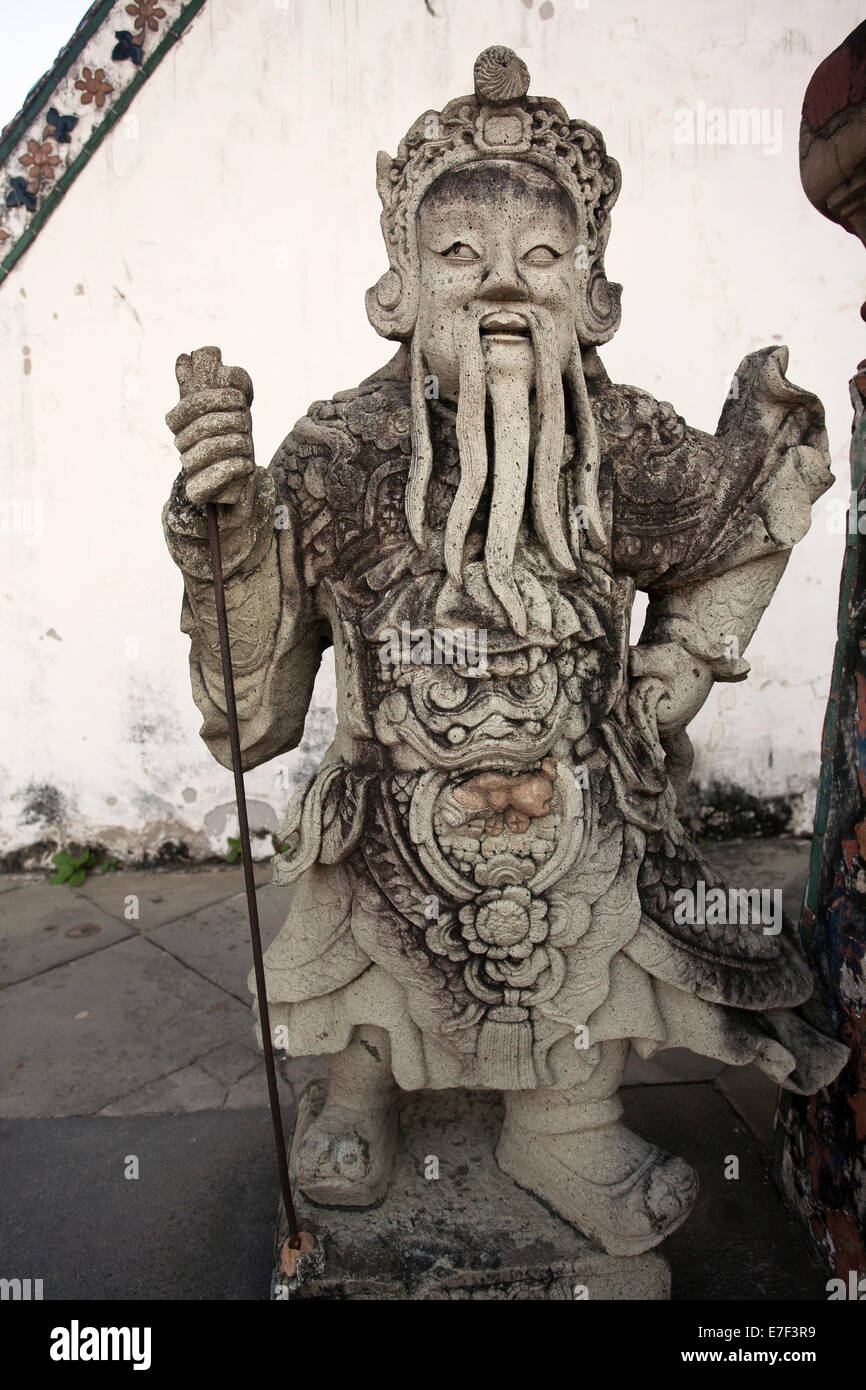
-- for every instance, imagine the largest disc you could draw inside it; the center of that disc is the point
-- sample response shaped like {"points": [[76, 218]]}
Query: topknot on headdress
{"points": [[501, 121], [500, 75]]}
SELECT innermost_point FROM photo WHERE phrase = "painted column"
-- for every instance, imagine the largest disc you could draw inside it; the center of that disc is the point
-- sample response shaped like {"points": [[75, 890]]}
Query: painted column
{"points": [[820, 1152]]}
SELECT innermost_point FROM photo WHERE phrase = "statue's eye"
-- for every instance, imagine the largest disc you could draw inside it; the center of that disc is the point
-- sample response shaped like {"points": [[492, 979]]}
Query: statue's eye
{"points": [[541, 255], [460, 252]]}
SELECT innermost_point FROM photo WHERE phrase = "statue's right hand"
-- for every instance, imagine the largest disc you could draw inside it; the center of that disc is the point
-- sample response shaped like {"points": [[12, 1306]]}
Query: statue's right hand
{"points": [[212, 427]]}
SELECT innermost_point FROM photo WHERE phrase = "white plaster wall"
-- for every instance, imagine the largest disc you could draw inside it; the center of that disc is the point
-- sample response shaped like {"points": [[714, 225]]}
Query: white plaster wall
{"points": [[245, 214]]}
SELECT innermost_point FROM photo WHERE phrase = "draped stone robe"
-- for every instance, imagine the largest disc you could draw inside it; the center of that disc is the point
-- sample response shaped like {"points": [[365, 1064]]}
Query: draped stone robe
{"points": [[485, 864]]}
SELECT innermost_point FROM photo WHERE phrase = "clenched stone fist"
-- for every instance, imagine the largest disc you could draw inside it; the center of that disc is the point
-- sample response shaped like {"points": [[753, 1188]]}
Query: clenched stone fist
{"points": [[213, 433], [687, 680], [212, 427]]}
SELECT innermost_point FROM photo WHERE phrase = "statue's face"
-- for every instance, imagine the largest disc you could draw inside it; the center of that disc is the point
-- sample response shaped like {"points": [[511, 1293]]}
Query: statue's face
{"points": [[499, 234]]}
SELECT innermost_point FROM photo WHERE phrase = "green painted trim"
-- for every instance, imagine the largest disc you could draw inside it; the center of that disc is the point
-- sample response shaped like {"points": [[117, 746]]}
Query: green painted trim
{"points": [[828, 740], [53, 76], [828, 749], [86, 153]]}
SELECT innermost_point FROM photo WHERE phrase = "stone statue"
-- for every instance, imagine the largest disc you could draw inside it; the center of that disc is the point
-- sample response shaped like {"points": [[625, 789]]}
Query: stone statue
{"points": [[492, 886]]}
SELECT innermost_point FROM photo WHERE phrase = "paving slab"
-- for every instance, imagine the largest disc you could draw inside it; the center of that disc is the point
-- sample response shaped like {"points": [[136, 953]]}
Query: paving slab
{"points": [[9, 882], [740, 1241], [43, 925], [180, 1093], [273, 901], [166, 894], [770, 862], [198, 1222], [674, 1064], [228, 1078], [297, 1071], [80, 1036], [778, 863], [293, 1075], [227, 1064], [215, 942], [754, 1096], [251, 1091]]}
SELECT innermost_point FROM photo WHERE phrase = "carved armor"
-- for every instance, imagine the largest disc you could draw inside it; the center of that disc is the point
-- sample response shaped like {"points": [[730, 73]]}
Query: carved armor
{"points": [[510, 826]]}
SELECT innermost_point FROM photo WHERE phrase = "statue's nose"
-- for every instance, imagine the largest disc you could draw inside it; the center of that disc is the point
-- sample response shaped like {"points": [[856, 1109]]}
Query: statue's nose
{"points": [[501, 280]]}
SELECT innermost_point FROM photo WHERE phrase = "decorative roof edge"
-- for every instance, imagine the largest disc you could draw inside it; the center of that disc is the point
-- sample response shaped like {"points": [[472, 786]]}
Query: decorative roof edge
{"points": [[70, 110]]}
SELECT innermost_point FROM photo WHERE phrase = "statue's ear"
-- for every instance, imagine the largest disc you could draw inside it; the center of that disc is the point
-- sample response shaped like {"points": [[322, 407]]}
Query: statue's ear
{"points": [[599, 315], [392, 304]]}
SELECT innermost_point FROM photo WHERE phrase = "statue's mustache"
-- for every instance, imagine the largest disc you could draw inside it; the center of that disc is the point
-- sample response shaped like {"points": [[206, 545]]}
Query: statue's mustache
{"points": [[508, 393]]}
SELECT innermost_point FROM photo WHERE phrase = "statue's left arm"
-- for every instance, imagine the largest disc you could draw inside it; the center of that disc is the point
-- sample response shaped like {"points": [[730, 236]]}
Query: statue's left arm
{"points": [[712, 564]]}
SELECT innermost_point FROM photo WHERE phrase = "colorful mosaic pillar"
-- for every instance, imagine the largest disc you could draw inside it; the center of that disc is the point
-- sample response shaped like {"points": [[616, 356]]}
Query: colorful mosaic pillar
{"points": [[821, 1140]]}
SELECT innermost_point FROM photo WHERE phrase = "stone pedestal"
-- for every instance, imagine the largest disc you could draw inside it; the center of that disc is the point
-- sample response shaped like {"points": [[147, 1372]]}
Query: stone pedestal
{"points": [[452, 1226]]}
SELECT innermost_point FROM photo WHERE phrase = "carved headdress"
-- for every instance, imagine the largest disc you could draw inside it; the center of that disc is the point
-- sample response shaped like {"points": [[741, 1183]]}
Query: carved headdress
{"points": [[499, 122]]}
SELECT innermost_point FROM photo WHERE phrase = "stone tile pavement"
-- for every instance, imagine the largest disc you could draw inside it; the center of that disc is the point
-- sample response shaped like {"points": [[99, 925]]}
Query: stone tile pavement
{"points": [[106, 1012]]}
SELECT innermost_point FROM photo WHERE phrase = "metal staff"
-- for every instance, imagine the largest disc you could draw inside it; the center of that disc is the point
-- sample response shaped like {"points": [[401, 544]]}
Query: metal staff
{"points": [[299, 1241]]}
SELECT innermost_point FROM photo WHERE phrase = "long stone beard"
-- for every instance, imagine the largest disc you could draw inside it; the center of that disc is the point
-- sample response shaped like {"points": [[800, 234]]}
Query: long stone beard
{"points": [[508, 393]]}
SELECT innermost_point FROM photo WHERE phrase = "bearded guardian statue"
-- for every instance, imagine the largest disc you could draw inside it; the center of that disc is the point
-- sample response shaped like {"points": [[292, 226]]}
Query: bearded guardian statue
{"points": [[489, 866]]}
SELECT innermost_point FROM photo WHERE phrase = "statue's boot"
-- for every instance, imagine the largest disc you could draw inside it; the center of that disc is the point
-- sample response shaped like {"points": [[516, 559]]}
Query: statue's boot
{"points": [[345, 1157], [571, 1149]]}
